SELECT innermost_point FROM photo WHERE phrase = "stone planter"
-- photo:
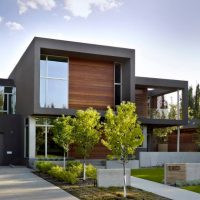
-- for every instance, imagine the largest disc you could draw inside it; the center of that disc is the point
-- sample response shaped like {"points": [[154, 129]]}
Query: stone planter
{"points": [[112, 177]]}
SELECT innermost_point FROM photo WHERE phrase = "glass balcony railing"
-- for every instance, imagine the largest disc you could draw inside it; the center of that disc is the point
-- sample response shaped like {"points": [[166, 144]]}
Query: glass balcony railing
{"points": [[166, 113]]}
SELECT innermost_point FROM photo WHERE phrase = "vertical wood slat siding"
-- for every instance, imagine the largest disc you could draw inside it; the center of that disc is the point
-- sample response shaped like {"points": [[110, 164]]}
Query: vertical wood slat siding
{"points": [[99, 152], [141, 102], [91, 84], [188, 139]]}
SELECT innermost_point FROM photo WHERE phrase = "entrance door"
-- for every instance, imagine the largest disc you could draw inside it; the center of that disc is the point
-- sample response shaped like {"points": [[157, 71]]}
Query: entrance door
{"points": [[1, 148]]}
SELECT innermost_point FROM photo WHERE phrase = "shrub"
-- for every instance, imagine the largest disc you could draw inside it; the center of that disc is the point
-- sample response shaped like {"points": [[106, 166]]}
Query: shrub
{"points": [[70, 177], [75, 167], [57, 172], [187, 183], [61, 174], [44, 166], [91, 171]]}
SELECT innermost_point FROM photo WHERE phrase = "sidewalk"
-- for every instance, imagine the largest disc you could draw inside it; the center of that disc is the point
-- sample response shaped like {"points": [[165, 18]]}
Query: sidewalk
{"points": [[164, 190], [20, 184]]}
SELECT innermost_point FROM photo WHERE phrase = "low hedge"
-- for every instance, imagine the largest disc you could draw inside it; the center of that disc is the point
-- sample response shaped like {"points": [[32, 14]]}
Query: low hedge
{"points": [[91, 171], [61, 174], [44, 166], [72, 173]]}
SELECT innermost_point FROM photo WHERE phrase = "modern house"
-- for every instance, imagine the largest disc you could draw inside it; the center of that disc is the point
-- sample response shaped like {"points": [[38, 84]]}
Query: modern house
{"points": [[55, 77]]}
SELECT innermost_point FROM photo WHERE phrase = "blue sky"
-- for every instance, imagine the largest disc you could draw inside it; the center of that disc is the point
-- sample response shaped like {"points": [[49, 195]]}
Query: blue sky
{"points": [[165, 33]]}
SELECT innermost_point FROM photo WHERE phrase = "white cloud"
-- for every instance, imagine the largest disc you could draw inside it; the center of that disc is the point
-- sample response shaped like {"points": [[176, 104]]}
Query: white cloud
{"points": [[24, 5], [67, 17], [1, 19], [14, 26], [84, 8]]}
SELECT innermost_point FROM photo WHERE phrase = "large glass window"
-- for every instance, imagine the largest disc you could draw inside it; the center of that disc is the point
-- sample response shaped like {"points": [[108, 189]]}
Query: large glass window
{"points": [[7, 100], [54, 73], [118, 83], [45, 146]]}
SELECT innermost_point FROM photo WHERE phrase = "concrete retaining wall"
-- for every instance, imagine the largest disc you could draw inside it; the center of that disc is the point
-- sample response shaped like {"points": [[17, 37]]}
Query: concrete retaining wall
{"points": [[149, 159], [112, 177], [116, 164]]}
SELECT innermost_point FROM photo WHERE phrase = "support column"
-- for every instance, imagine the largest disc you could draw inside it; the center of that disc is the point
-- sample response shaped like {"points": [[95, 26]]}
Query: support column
{"points": [[144, 130], [178, 118], [46, 141], [32, 137]]}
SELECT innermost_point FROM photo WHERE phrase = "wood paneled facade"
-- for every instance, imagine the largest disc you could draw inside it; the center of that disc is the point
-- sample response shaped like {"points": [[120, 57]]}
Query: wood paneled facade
{"points": [[141, 101], [188, 138], [91, 84], [99, 152]]}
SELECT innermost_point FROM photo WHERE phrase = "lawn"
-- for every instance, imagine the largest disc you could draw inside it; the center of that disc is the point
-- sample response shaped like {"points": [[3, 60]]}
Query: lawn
{"points": [[193, 188], [155, 174]]}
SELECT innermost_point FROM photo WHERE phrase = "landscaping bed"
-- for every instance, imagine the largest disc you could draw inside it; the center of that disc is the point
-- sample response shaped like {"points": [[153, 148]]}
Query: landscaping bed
{"points": [[85, 190], [70, 180]]}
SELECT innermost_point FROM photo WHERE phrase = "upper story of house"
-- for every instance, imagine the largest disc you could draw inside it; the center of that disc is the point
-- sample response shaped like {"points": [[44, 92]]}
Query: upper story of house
{"points": [[55, 77]]}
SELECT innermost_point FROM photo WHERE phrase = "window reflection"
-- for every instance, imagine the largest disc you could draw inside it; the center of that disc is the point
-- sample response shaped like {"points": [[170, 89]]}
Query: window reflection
{"points": [[7, 100], [53, 82]]}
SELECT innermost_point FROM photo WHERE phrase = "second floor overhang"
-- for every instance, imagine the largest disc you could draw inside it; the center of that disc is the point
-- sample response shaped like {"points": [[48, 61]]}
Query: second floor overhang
{"points": [[162, 102]]}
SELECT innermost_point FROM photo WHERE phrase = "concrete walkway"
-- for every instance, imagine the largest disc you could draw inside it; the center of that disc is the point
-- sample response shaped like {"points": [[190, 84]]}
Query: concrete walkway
{"points": [[164, 190], [20, 184]]}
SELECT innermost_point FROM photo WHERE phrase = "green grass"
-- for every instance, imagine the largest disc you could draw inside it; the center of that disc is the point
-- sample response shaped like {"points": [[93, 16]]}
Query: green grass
{"points": [[153, 174], [194, 188], [157, 174]]}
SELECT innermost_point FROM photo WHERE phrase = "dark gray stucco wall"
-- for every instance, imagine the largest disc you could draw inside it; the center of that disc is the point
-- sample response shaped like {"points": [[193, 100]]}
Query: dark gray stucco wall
{"points": [[7, 82], [23, 75], [11, 128]]}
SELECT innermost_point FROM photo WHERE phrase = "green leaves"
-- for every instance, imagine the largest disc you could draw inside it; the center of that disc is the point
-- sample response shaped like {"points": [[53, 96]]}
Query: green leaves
{"points": [[86, 130], [63, 131], [123, 133]]}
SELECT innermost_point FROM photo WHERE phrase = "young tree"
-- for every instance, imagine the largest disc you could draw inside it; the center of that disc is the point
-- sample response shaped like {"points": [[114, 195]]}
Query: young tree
{"points": [[86, 133], [190, 102], [123, 133], [63, 133], [197, 102], [162, 133]]}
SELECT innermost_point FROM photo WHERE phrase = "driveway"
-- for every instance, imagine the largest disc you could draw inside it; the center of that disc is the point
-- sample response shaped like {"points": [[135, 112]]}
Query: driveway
{"points": [[19, 183]]}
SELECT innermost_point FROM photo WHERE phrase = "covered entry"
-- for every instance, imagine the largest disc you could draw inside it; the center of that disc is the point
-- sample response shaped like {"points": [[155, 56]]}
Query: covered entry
{"points": [[11, 140]]}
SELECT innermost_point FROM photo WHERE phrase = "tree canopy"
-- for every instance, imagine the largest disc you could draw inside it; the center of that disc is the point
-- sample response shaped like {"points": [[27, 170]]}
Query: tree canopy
{"points": [[86, 130], [123, 133]]}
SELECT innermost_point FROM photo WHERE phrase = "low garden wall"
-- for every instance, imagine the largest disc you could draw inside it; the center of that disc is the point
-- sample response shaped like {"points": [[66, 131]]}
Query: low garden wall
{"points": [[112, 177], [181, 172], [116, 164], [149, 159]]}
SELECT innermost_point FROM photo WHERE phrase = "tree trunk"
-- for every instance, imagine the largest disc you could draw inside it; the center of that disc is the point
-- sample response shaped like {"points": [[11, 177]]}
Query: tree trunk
{"points": [[124, 174], [64, 165], [84, 170]]}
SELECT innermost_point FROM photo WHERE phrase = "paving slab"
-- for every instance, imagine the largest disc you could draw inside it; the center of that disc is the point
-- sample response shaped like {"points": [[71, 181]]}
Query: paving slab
{"points": [[164, 190], [19, 183]]}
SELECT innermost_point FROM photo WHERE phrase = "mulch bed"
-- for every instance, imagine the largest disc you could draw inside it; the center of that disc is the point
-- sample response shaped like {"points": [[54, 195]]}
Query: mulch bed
{"points": [[87, 190]]}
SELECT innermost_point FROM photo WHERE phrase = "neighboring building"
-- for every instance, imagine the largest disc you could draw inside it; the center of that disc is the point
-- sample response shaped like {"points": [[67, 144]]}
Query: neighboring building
{"points": [[56, 77]]}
